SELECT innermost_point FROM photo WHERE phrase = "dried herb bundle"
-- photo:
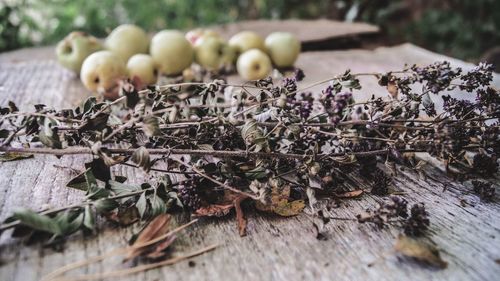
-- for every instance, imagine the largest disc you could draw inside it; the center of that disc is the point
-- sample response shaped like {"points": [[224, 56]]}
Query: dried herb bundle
{"points": [[269, 143]]}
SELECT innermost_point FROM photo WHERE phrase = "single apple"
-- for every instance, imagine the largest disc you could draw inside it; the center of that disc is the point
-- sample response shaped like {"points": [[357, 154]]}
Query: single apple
{"points": [[246, 40], [195, 34], [171, 52], [127, 40], [253, 65], [213, 53], [101, 72], [75, 48], [142, 66], [283, 48]]}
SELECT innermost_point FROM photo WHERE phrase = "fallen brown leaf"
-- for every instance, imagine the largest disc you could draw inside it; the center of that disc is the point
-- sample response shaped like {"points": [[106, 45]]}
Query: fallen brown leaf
{"points": [[231, 200], [240, 216], [157, 227], [420, 251], [280, 204], [351, 194], [214, 210]]}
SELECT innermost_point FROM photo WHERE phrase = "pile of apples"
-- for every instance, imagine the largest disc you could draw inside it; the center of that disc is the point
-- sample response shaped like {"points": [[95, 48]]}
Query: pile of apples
{"points": [[128, 52]]}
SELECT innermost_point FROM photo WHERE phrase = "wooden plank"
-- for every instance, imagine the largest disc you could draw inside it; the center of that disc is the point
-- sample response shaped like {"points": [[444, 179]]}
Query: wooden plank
{"points": [[275, 248]]}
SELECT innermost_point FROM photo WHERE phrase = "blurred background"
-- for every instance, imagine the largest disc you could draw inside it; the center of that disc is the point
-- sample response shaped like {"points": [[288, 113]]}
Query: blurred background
{"points": [[465, 29]]}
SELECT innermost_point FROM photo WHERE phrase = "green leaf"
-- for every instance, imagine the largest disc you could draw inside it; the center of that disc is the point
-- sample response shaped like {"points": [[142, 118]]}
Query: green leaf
{"points": [[88, 220], [37, 221], [69, 221], [97, 123], [158, 206], [100, 170], [95, 192], [142, 205], [121, 188], [78, 182], [50, 140], [4, 133], [89, 104], [103, 206]]}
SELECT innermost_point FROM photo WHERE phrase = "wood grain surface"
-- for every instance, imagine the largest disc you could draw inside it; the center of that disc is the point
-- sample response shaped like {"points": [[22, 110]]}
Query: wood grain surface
{"points": [[468, 234]]}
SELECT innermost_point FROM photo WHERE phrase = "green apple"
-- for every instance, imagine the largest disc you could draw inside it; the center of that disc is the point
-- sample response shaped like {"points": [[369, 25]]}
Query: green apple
{"points": [[127, 40], [253, 65], [194, 35], [171, 52], [283, 48], [213, 52], [75, 48], [102, 71], [246, 40], [142, 66]]}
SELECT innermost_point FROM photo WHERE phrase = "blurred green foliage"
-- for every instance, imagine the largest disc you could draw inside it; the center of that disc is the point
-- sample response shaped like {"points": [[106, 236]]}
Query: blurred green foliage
{"points": [[461, 28]]}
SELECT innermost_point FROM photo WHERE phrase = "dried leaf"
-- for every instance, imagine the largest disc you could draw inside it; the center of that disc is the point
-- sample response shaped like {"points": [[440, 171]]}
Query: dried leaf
{"points": [[214, 210], [13, 156], [231, 200], [151, 127], [124, 216], [141, 158], [420, 251], [289, 209], [280, 204], [160, 225], [351, 194], [240, 216]]}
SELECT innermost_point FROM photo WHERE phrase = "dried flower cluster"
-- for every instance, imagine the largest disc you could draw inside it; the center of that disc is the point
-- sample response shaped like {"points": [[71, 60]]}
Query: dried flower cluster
{"points": [[269, 142]]}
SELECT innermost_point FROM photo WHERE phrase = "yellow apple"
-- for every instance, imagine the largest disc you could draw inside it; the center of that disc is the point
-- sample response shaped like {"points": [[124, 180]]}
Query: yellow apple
{"points": [[75, 48], [195, 34], [171, 52], [102, 71], [142, 66], [283, 48], [253, 65], [213, 52], [127, 40], [246, 40]]}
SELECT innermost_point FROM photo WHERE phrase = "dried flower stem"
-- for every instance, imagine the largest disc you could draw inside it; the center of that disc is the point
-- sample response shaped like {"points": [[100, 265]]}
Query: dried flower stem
{"points": [[166, 151], [114, 252]]}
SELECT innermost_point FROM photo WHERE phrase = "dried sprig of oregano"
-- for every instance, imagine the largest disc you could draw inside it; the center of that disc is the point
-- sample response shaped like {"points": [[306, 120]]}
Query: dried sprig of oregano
{"points": [[269, 143]]}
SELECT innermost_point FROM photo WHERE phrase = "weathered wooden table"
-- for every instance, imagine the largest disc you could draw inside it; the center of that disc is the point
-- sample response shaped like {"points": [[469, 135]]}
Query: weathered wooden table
{"points": [[275, 248]]}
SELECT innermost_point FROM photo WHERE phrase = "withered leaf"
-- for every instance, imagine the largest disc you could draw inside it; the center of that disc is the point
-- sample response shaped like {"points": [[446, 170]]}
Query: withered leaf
{"points": [[351, 194], [159, 226], [280, 204], [124, 216], [150, 126], [13, 156], [287, 209], [214, 210], [141, 158], [231, 200], [420, 251], [240, 216]]}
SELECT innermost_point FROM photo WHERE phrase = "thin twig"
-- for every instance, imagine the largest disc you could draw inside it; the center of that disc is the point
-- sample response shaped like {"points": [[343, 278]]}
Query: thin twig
{"points": [[114, 252]]}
